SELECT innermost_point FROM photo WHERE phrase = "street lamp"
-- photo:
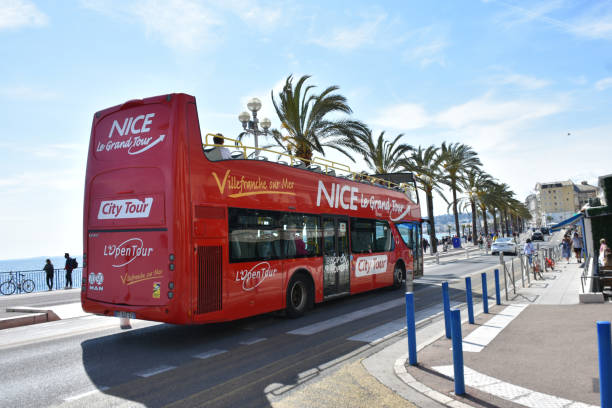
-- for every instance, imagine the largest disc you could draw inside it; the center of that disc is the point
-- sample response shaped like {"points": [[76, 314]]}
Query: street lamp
{"points": [[251, 126]]}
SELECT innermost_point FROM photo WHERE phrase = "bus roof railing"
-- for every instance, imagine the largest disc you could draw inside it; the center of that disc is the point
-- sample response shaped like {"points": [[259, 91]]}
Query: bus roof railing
{"points": [[326, 164]]}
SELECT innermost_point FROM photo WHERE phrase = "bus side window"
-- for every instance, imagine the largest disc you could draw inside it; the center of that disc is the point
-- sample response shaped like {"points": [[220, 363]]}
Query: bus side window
{"points": [[362, 236], [383, 237]]}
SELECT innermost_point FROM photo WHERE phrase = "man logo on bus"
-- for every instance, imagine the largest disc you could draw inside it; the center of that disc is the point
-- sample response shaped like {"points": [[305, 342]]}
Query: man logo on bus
{"points": [[95, 281]]}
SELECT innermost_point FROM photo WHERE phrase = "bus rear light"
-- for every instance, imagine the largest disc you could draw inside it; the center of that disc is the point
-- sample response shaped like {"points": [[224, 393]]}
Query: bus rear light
{"points": [[171, 257], [171, 285], [84, 260], [170, 295], [171, 266]]}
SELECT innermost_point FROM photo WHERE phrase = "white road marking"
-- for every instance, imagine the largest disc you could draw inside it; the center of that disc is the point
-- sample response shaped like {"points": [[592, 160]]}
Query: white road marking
{"points": [[252, 341], [337, 321], [477, 340], [509, 392], [154, 371], [85, 394], [209, 353]]}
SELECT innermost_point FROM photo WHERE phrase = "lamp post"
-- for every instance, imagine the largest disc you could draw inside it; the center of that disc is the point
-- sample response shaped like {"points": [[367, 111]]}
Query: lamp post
{"points": [[251, 125]]}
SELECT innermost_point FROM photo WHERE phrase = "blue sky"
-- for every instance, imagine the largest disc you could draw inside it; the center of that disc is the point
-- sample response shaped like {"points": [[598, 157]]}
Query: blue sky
{"points": [[509, 78]]}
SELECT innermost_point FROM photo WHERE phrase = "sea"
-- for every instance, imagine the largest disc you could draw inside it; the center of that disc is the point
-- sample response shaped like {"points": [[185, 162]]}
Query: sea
{"points": [[35, 264]]}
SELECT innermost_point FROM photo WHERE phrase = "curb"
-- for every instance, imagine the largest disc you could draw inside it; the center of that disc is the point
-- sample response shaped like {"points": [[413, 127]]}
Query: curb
{"points": [[27, 319], [29, 316]]}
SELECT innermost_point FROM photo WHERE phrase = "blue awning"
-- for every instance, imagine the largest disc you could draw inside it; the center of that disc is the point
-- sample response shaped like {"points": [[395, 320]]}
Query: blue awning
{"points": [[566, 223]]}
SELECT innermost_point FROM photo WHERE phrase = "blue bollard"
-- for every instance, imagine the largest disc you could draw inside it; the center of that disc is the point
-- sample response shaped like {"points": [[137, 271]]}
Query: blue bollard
{"points": [[458, 353], [446, 303], [497, 295], [468, 295], [605, 363], [485, 296], [411, 329]]}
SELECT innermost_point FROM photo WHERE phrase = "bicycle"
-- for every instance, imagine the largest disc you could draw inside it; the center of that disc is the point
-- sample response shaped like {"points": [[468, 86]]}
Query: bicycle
{"points": [[10, 286]]}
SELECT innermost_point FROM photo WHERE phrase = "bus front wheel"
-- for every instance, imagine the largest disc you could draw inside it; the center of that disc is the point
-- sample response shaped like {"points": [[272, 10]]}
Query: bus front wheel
{"points": [[299, 294]]}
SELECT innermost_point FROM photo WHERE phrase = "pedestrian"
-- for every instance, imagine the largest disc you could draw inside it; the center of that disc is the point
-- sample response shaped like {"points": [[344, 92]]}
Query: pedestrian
{"points": [[529, 250], [603, 246], [425, 244], [48, 268], [71, 264], [577, 244], [566, 248]]}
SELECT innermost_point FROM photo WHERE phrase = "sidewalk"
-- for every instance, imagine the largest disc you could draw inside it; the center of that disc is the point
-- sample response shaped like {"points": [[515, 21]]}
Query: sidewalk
{"points": [[538, 349], [40, 307]]}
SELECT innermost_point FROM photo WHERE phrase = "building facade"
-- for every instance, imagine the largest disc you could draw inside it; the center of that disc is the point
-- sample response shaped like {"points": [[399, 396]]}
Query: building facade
{"points": [[558, 200]]}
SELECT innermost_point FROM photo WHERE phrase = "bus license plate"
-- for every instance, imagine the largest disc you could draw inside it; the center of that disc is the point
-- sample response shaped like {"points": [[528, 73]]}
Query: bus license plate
{"points": [[129, 315]]}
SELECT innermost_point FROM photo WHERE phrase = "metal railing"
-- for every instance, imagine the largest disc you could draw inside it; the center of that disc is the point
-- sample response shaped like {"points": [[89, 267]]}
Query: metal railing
{"points": [[40, 279], [327, 165]]}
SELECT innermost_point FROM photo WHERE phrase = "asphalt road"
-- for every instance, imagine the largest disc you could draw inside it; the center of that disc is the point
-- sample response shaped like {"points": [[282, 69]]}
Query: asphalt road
{"points": [[256, 362]]}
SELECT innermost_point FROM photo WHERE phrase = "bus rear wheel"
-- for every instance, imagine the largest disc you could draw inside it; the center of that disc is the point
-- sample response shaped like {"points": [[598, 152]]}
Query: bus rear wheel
{"points": [[299, 294]]}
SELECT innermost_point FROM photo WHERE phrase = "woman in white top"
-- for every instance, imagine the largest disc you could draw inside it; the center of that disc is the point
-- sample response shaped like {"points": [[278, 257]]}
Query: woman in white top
{"points": [[529, 250]]}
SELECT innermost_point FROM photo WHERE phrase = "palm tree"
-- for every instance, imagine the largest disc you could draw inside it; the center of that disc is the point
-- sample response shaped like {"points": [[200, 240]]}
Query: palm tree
{"points": [[458, 158], [304, 116], [473, 182], [498, 203], [381, 155], [485, 196], [425, 164]]}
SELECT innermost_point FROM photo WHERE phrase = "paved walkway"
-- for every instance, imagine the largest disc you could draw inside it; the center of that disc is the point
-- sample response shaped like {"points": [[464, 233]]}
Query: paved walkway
{"points": [[539, 349]]}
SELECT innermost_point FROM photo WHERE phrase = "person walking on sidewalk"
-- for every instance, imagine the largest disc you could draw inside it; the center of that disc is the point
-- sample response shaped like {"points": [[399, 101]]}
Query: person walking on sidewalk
{"points": [[71, 264], [529, 250], [425, 244], [577, 243], [566, 248], [48, 268]]}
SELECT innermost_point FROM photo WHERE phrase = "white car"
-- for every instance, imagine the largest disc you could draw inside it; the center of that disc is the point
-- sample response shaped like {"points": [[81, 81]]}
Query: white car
{"points": [[504, 245]]}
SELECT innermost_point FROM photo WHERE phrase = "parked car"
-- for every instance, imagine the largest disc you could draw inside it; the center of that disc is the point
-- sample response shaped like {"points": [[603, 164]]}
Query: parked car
{"points": [[545, 231], [504, 245], [537, 236]]}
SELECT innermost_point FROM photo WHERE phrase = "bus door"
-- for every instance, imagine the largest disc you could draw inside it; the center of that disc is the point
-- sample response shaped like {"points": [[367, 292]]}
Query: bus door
{"points": [[336, 265]]}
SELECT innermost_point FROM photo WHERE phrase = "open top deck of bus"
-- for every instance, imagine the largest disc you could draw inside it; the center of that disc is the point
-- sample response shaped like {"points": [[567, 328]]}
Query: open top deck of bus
{"points": [[320, 165]]}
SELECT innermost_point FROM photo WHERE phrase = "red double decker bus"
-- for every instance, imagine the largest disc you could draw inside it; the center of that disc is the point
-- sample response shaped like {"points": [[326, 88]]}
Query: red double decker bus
{"points": [[173, 235]]}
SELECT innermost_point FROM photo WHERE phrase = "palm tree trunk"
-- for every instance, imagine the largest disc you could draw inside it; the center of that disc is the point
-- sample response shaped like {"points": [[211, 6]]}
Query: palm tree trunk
{"points": [[473, 205], [455, 212], [432, 224], [506, 222], [484, 218], [494, 213]]}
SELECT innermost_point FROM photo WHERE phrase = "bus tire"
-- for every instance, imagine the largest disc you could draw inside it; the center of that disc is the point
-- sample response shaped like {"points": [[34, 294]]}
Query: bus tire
{"points": [[398, 275], [299, 296]]}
